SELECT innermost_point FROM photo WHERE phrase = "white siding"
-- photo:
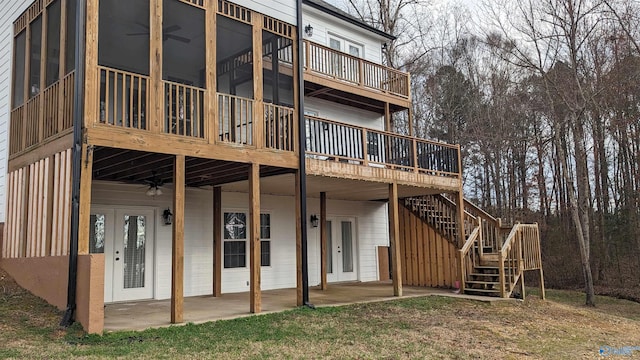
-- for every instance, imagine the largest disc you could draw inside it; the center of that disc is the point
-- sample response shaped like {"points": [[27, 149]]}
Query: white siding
{"points": [[9, 11], [325, 25], [346, 114], [284, 10], [371, 231]]}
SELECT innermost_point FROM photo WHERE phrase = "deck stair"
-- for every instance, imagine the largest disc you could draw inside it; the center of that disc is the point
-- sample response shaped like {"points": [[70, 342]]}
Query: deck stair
{"points": [[493, 257]]}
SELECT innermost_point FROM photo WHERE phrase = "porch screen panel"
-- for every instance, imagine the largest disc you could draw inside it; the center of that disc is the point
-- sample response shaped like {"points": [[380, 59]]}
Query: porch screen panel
{"points": [[53, 43], [123, 35], [134, 251], [36, 53], [19, 68], [347, 247]]}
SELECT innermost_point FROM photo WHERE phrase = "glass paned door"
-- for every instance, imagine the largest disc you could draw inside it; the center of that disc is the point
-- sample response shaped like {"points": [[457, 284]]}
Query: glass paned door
{"points": [[341, 250], [133, 255]]}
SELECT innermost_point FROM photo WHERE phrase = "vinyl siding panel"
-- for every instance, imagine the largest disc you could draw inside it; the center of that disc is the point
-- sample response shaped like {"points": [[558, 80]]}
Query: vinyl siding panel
{"points": [[371, 232], [284, 10], [9, 11]]}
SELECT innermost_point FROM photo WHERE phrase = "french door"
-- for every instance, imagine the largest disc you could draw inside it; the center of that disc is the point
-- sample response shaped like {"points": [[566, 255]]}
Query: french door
{"points": [[126, 236], [341, 250]]}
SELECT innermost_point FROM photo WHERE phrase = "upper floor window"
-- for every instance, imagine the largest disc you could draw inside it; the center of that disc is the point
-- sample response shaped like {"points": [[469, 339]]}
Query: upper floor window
{"points": [[344, 45], [123, 35]]}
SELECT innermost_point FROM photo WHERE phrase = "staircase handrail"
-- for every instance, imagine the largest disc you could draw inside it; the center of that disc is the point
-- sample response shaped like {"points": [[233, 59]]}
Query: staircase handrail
{"points": [[468, 258], [480, 212]]}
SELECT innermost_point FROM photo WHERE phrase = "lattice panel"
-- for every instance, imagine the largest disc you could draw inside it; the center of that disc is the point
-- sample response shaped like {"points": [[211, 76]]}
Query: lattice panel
{"points": [[234, 11], [278, 27], [29, 15], [197, 3]]}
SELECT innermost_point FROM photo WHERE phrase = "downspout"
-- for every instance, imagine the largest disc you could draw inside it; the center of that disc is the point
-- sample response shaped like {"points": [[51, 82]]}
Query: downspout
{"points": [[302, 135], [78, 116]]}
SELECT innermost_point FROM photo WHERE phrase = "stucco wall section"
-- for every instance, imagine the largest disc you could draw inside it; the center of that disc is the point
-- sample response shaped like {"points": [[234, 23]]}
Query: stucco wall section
{"points": [[45, 277], [90, 293]]}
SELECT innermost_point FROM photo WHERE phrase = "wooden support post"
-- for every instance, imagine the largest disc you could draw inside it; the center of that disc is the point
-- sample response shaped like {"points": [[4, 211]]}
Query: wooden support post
{"points": [[323, 240], [84, 220], [254, 238], [211, 101], [522, 290], [217, 241], [91, 73], [387, 117], [156, 99], [394, 239], [460, 221], [542, 293], [298, 220], [410, 118], [177, 244], [258, 110]]}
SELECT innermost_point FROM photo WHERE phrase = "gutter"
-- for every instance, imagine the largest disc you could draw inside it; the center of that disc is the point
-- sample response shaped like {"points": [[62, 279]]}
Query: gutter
{"points": [[302, 134], [78, 110]]}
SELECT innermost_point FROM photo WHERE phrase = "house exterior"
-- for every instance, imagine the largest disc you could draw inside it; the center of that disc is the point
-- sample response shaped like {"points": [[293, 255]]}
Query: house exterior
{"points": [[169, 148]]}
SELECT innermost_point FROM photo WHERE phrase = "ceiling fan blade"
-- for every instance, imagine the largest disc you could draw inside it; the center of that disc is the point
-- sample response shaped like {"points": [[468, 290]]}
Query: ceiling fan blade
{"points": [[178, 38], [171, 28], [144, 26], [136, 34]]}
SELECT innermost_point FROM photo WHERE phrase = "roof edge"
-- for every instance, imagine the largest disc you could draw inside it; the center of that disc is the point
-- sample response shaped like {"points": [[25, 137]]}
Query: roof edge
{"points": [[348, 18]]}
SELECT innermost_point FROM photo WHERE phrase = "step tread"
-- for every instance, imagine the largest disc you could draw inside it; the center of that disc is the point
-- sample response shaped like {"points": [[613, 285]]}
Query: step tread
{"points": [[493, 291], [482, 282], [481, 274]]}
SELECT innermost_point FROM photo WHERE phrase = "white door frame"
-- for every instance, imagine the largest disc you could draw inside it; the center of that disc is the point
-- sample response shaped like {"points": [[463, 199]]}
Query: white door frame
{"points": [[337, 275], [114, 224]]}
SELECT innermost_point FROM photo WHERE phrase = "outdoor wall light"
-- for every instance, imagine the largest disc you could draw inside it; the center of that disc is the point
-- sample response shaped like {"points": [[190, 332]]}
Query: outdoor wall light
{"points": [[153, 191], [167, 217], [308, 30], [314, 220]]}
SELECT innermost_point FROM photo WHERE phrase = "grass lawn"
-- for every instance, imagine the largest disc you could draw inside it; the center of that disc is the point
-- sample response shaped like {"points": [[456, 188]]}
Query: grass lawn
{"points": [[429, 327]]}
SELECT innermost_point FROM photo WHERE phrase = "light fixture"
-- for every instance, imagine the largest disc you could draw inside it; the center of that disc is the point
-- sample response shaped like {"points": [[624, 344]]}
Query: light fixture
{"points": [[308, 30], [314, 220], [167, 217], [384, 46], [154, 190]]}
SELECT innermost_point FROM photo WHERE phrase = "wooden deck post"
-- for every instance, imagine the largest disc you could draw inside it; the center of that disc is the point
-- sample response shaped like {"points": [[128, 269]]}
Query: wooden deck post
{"points": [[522, 290], [85, 199], [217, 241], [177, 256], [394, 239], [323, 240], [542, 294], [254, 238], [211, 116], [298, 220], [155, 121]]}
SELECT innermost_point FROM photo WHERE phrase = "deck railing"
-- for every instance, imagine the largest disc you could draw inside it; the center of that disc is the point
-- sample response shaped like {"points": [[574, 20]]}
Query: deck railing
{"points": [[184, 110], [124, 98], [332, 140], [235, 119], [279, 127], [42, 117], [352, 69]]}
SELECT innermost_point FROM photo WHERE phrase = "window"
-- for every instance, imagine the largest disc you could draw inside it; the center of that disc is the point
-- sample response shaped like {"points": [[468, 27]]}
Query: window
{"points": [[96, 234], [235, 254], [235, 228], [235, 240], [265, 237]]}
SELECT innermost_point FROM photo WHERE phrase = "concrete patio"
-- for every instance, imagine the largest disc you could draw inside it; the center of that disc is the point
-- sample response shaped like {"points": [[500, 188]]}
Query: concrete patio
{"points": [[141, 315]]}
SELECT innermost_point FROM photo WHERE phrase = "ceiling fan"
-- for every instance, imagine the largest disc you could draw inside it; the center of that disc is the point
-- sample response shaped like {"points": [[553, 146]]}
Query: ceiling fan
{"points": [[166, 33], [154, 182]]}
